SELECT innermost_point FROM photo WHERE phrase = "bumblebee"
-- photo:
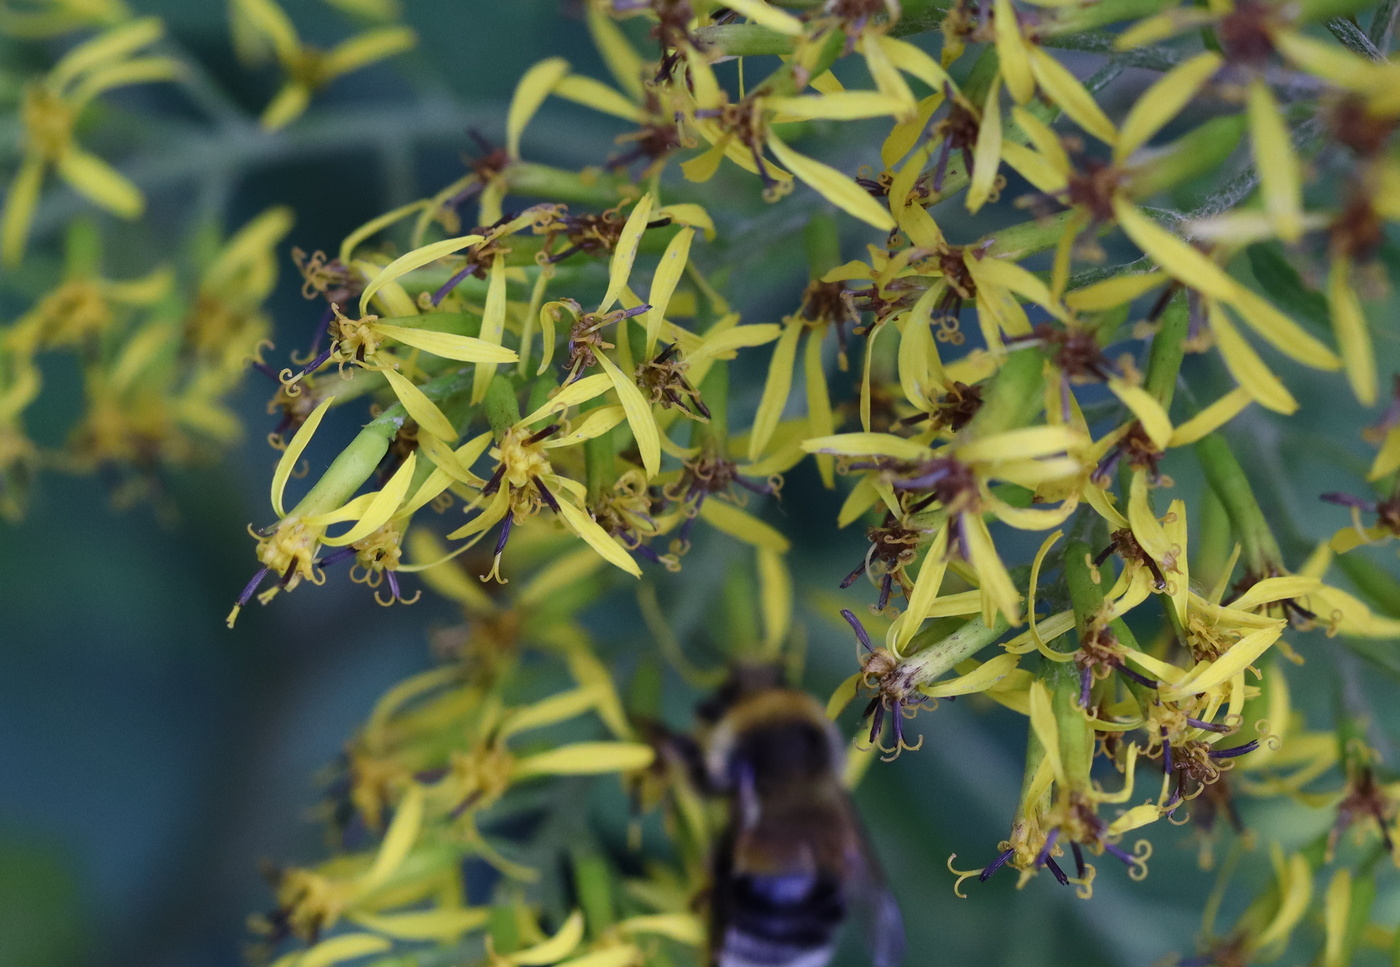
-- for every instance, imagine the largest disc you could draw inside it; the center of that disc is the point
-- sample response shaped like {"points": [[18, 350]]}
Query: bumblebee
{"points": [[793, 859]]}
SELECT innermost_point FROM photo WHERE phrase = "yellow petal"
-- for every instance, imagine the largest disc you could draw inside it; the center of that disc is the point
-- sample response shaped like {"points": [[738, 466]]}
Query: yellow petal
{"points": [[423, 410], [1280, 181], [112, 45], [639, 416], [556, 948], [292, 455], [1242, 654], [774, 18], [1013, 55], [868, 445], [728, 519], [410, 261], [20, 202], [1047, 731], [349, 946], [1065, 90], [286, 106], [364, 49], [442, 925], [832, 185], [493, 323], [600, 97], [1113, 292], [100, 183], [1161, 102], [775, 389], [844, 106], [1210, 419], [467, 349], [534, 87], [999, 595], [983, 677], [986, 156], [398, 840], [625, 252], [1353, 334], [912, 60], [1244, 364], [600, 540], [663, 284], [926, 588], [574, 394], [585, 759], [1149, 412], [383, 506]]}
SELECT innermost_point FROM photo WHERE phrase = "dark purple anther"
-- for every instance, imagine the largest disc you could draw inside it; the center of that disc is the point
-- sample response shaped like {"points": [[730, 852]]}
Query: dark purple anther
{"points": [[997, 864]]}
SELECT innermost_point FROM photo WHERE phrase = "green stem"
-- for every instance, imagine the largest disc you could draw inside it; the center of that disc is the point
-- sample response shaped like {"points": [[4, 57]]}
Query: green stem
{"points": [[931, 657], [358, 461], [1168, 350], [1228, 481], [1015, 395]]}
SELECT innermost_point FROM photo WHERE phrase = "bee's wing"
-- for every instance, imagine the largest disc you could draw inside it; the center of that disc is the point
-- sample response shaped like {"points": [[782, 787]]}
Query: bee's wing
{"points": [[873, 906]]}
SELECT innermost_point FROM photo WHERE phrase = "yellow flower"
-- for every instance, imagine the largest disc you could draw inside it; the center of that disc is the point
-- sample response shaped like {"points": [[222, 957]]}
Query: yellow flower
{"points": [[51, 110], [261, 26]]}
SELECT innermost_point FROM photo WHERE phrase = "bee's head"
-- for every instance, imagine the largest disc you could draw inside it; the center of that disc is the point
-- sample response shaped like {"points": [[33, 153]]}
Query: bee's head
{"points": [[745, 680]]}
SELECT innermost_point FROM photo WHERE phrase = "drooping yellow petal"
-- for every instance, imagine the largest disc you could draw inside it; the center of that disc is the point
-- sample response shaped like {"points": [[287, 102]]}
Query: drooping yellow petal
{"points": [[775, 389], [100, 183], [423, 410], [986, 156], [832, 185], [625, 251], [21, 200], [1244, 364], [443, 925], [983, 677], [774, 600], [1013, 53], [347, 946], [1241, 655], [1161, 102], [556, 948], [398, 840], [1154, 420], [926, 587], [467, 349], [1065, 90], [367, 48], [493, 324], [1353, 334], [999, 595], [867, 445], [774, 18], [1047, 731], [585, 759], [535, 85], [1210, 419], [1110, 293], [292, 455], [1280, 180], [590, 93], [728, 519], [410, 261], [663, 284], [382, 507], [639, 416], [600, 540]]}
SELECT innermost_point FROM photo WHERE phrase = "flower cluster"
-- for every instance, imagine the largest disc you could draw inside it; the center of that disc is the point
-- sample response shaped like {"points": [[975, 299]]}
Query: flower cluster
{"points": [[1032, 288]]}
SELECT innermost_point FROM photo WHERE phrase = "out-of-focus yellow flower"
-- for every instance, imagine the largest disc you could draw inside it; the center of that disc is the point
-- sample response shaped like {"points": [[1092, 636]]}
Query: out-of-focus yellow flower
{"points": [[261, 26], [51, 110]]}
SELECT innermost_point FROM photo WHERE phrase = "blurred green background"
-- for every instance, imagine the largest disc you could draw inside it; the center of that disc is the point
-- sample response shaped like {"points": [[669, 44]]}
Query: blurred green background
{"points": [[150, 758]]}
